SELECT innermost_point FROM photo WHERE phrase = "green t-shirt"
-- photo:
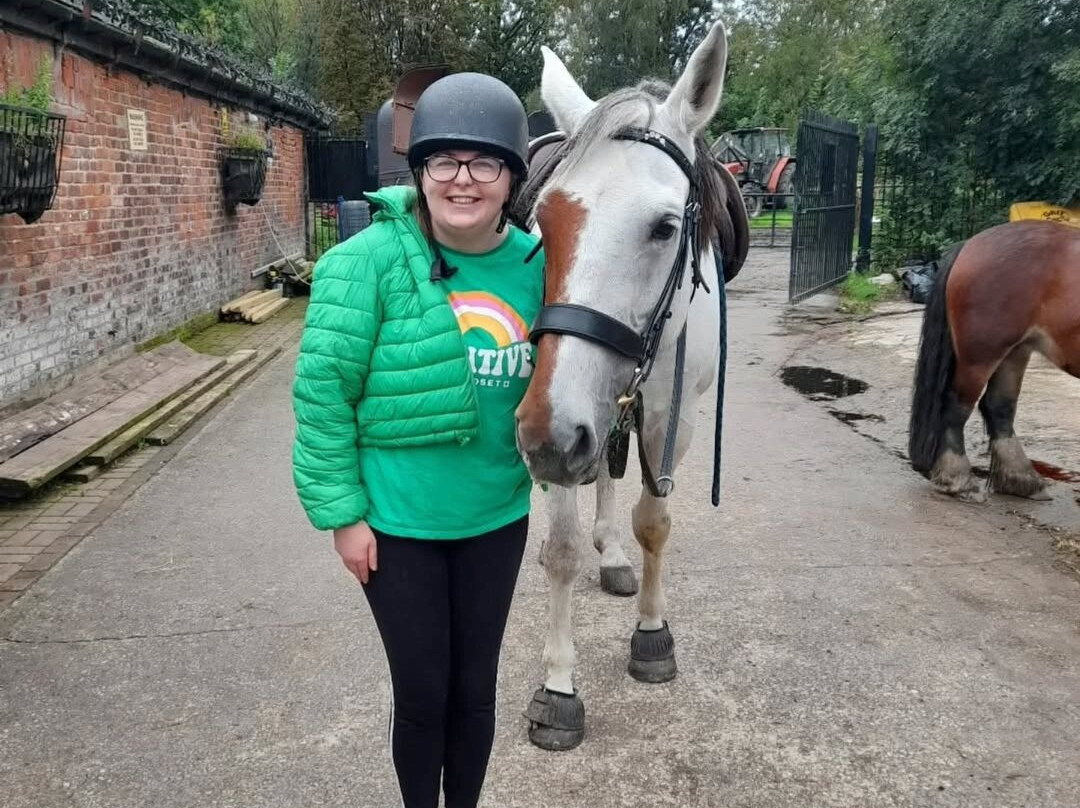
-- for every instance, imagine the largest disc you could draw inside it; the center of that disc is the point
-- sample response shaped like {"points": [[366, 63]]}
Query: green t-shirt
{"points": [[453, 491]]}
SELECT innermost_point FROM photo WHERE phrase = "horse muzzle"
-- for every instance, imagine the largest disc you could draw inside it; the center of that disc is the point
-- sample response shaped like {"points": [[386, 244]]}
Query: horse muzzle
{"points": [[568, 456]]}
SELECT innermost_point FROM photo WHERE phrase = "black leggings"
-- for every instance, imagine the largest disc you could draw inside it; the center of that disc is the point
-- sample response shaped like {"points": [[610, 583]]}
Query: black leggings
{"points": [[441, 608]]}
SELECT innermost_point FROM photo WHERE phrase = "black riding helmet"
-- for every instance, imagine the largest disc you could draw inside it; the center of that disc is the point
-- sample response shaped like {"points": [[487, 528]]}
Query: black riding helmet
{"points": [[470, 110]]}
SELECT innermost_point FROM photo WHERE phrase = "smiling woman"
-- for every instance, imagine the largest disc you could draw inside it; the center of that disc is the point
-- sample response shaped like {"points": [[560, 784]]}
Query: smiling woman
{"points": [[465, 192], [415, 356]]}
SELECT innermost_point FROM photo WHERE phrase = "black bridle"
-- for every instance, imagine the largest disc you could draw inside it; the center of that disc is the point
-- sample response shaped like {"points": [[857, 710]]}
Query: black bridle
{"points": [[642, 347]]}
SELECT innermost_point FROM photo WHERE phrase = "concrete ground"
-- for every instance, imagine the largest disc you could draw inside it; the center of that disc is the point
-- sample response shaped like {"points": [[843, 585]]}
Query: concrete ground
{"points": [[881, 351], [845, 637], [35, 533]]}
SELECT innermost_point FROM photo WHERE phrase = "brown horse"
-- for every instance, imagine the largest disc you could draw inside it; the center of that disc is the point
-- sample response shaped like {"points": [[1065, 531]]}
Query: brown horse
{"points": [[1005, 292]]}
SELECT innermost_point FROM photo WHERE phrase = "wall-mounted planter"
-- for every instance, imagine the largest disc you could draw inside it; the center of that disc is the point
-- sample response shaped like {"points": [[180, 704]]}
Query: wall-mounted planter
{"points": [[31, 144], [243, 173]]}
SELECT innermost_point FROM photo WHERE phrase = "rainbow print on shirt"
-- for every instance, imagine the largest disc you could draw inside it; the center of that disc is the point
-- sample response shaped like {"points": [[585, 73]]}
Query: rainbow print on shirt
{"points": [[512, 355], [491, 314]]}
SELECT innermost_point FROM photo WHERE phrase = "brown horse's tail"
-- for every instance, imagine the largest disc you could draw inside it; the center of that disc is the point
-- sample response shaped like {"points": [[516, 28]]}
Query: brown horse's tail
{"points": [[933, 374]]}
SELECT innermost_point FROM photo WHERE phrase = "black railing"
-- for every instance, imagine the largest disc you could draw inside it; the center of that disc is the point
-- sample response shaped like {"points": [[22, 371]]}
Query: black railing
{"points": [[772, 224], [243, 174], [823, 229], [322, 228], [338, 167], [31, 144], [923, 203]]}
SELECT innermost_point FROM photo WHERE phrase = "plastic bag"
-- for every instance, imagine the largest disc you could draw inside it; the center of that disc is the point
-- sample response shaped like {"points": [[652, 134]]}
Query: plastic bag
{"points": [[919, 281]]}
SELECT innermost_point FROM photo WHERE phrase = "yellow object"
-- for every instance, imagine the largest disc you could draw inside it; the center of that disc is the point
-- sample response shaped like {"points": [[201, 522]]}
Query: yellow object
{"points": [[1044, 212]]}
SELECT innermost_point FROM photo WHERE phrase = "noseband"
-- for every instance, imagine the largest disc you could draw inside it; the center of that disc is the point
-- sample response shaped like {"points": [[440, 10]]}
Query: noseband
{"points": [[595, 326]]}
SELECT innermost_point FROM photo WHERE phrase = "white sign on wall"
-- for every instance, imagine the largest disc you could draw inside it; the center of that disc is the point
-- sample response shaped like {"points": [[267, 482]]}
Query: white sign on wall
{"points": [[136, 120]]}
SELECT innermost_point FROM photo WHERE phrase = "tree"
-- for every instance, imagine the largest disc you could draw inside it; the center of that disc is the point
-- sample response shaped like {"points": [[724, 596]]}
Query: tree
{"points": [[786, 55], [507, 35], [215, 21], [617, 43], [994, 82]]}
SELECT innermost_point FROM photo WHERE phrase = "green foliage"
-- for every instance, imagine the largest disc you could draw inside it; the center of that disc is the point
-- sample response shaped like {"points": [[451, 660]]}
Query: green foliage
{"points": [[218, 22], [36, 97], [246, 138], [858, 295], [996, 82], [28, 124], [987, 88], [506, 38], [617, 43], [787, 55]]}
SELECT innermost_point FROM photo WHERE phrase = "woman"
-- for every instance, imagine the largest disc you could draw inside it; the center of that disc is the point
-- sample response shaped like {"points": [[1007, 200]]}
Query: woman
{"points": [[414, 356]]}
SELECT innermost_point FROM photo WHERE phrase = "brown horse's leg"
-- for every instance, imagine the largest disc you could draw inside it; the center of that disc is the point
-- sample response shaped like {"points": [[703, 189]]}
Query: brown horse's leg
{"points": [[952, 471], [1010, 470]]}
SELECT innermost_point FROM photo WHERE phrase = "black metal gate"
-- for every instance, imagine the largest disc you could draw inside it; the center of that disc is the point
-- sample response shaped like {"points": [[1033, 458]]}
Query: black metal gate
{"points": [[823, 229], [337, 168]]}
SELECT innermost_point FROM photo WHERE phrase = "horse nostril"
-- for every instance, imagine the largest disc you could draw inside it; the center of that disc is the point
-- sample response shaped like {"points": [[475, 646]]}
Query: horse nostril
{"points": [[584, 444], [529, 437]]}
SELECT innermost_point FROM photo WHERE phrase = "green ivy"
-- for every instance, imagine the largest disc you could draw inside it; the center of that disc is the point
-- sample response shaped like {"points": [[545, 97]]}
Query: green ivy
{"points": [[28, 122], [38, 96], [246, 139]]}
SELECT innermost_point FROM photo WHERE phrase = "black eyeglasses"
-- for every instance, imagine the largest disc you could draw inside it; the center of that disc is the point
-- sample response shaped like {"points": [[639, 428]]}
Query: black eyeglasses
{"points": [[443, 168]]}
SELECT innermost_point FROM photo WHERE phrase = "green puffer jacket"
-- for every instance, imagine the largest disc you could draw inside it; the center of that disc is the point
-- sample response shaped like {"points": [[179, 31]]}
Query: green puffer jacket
{"points": [[382, 362]]}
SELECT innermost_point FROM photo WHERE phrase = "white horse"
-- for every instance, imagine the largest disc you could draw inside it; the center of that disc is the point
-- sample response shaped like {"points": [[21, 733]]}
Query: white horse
{"points": [[619, 242]]}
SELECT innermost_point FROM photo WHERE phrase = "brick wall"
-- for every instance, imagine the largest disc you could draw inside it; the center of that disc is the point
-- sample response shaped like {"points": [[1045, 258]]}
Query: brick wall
{"points": [[136, 242]]}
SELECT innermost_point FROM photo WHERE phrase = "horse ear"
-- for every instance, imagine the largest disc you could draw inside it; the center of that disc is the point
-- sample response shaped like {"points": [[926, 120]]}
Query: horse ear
{"points": [[696, 95], [562, 95]]}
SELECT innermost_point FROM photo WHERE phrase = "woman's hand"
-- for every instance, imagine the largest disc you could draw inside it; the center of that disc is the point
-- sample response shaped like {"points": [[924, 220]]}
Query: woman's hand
{"points": [[356, 546]]}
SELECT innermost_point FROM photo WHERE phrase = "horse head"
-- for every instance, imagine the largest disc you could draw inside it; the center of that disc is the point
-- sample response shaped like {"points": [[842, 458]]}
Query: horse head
{"points": [[626, 216]]}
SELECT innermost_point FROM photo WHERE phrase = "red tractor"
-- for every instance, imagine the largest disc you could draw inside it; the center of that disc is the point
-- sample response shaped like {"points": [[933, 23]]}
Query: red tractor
{"points": [[762, 163]]}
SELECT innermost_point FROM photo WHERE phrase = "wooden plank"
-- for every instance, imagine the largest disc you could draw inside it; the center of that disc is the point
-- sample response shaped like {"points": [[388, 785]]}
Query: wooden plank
{"points": [[35, 424], [107, 453], [175, 426], [84, 473], [267, 312], [228, 307], [36, 466], [239, 305], [255, 302]]}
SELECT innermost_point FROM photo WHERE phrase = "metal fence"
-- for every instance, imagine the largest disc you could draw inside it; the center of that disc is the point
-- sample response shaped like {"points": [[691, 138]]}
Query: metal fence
{"points": [[772, 226], [825, 198], [923, 203], [337, 168], [322, 228]]}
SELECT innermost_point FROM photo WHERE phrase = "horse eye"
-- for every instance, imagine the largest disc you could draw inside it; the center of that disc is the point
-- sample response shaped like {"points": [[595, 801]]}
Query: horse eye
{"points": [[663, 231]]}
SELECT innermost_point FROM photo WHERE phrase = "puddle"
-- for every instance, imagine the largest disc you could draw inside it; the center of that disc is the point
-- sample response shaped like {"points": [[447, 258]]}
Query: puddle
{"points": [[855, 417], [822, 384]]}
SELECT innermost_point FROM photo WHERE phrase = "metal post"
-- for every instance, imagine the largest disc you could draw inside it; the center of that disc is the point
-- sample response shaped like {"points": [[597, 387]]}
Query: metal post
{"points": [[866, 202], [305, 212]]}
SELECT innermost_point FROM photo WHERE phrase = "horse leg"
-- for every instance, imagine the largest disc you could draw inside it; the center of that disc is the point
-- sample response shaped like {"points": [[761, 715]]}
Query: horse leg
{"points": [[952, 471], [652, 648], [1010, 470], [616, 574], [556, 713]]}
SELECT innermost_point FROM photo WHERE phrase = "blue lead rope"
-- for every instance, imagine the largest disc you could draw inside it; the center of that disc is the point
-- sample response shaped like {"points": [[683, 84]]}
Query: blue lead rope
{"points": [[721, 373]]}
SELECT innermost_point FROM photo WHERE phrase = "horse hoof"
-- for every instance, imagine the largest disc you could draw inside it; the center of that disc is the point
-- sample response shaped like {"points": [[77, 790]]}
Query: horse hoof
{"points": [[652, 656], [965, 491], [556, 720], [1026, 486], [619, 581], [976, 496]]}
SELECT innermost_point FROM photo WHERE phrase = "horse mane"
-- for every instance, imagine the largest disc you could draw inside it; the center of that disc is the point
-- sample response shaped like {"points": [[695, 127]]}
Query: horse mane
{"points": [[723, 216]]}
